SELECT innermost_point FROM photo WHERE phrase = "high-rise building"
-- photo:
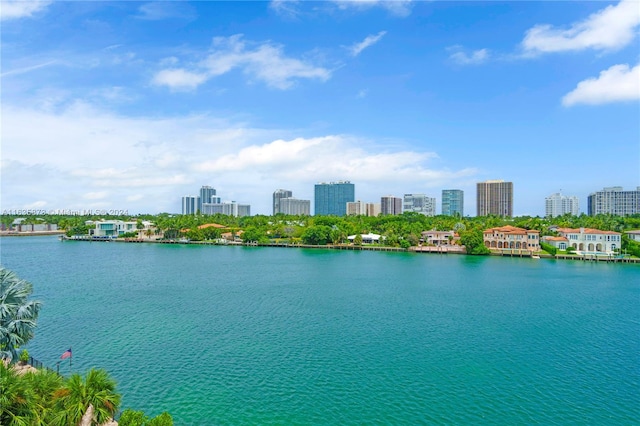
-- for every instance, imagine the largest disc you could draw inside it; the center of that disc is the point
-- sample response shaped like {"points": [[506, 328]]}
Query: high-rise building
{"points": [[190, 204], [363, 209], [332, 198], [293, 206], [558, 205], [228, 208], [373, 209], [206, 192], [419, 203], [277, 196], [452, 202], [390, 205], [614, 200], [495, 197]]}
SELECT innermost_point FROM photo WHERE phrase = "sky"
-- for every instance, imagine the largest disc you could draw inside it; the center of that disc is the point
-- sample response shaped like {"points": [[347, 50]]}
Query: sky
{"points": [[131, 105]]}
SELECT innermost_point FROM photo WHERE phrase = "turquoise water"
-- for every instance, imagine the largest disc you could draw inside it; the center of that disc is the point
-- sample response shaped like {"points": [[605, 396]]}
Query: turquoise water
{"points": [[240, 336]]}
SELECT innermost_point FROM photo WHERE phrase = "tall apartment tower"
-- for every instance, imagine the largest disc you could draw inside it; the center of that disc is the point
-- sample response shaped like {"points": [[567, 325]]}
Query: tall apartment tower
{"points": [[332, 198], [206, 192], [190, 204], [278, 195], [363, 209], [614, 200], [390, 205], [558, 205], [495, 197], [293, 206], [452, 202], [419, 203]]}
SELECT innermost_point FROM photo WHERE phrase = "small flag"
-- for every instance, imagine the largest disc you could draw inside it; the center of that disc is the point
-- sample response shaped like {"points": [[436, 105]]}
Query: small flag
{"points": [[66, 354]]}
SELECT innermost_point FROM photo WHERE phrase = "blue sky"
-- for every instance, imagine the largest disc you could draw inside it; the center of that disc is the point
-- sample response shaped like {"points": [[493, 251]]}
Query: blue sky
{"points": [[131, 105]]}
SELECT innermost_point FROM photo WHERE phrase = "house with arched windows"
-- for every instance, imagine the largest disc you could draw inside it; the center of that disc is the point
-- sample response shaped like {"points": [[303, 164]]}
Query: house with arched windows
{"points": [[587, 240], [511, 238]]}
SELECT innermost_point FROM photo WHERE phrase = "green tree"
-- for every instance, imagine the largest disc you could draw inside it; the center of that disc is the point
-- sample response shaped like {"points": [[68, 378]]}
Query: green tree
{"points": [[255, 234], [131, 417], [18, 315], [93, 398], [16, 399], [357, 240], [317, 235], [43, 384], [473, 242], [163, 419]]}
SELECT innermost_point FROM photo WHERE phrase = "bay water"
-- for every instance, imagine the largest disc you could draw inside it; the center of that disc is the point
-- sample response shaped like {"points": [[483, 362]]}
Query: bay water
{"points": [[257, 336]]}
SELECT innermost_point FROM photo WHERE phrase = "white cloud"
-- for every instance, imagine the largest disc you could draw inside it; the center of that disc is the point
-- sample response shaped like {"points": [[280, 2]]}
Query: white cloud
{"points": [[616, 84], [287, 8], [27, 69], [462, 58], [15, 9], [609, 29], [159, 10], [265, 62], [370, 40], [400, 8], [83, 157], [179, 79]]}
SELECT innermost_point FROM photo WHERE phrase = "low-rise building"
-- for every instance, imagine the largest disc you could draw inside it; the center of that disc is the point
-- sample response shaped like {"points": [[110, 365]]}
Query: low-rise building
{"points": [[561, 243], [439, 238], [512, 237], [115, 228], [591, 240], [367, 238], [634, 235]]}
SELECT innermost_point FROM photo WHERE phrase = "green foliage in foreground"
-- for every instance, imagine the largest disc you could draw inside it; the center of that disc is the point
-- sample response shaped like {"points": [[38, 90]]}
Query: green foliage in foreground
{"points": [[45, 398], [18, 315]]}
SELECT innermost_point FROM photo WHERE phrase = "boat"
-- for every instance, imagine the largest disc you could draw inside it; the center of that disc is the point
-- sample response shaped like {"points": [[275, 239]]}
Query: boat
{"points": [[535, 256]]}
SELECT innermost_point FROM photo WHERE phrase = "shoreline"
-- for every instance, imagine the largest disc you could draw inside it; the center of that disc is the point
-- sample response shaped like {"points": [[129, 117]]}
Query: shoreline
{"points": [[29, 233], [415, 249]]}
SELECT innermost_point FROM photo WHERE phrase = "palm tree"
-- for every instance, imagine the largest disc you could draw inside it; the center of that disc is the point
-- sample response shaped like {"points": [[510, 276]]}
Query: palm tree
{"points": [[18, 316], [16, 401], [43, 383], [91, 401]]}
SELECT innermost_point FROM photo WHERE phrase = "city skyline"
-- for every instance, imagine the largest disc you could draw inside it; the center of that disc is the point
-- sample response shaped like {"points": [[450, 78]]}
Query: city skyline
{"points": [[129, 105]]}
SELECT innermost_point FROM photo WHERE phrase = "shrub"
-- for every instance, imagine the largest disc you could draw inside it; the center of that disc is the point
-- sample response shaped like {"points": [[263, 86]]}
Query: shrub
{"points": [[549, 248], [24, 356]]}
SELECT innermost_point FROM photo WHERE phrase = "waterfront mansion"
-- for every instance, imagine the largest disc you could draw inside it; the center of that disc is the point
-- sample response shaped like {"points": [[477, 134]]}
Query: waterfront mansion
{"points": [[586, 240], [512, 237]]}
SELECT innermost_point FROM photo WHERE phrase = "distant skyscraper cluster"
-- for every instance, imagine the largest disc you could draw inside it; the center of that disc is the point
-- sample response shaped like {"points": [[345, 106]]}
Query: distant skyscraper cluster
{"points": [[209, 203], [283, 202], [614, 200], [558, 205], [495, 197]]}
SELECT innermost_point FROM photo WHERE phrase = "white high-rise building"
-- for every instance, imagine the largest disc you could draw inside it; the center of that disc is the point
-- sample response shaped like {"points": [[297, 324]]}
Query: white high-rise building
{"points": [[293, 206], [614, 200], [190, 204], [558, 205], [278, 195], [419, 203]]}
